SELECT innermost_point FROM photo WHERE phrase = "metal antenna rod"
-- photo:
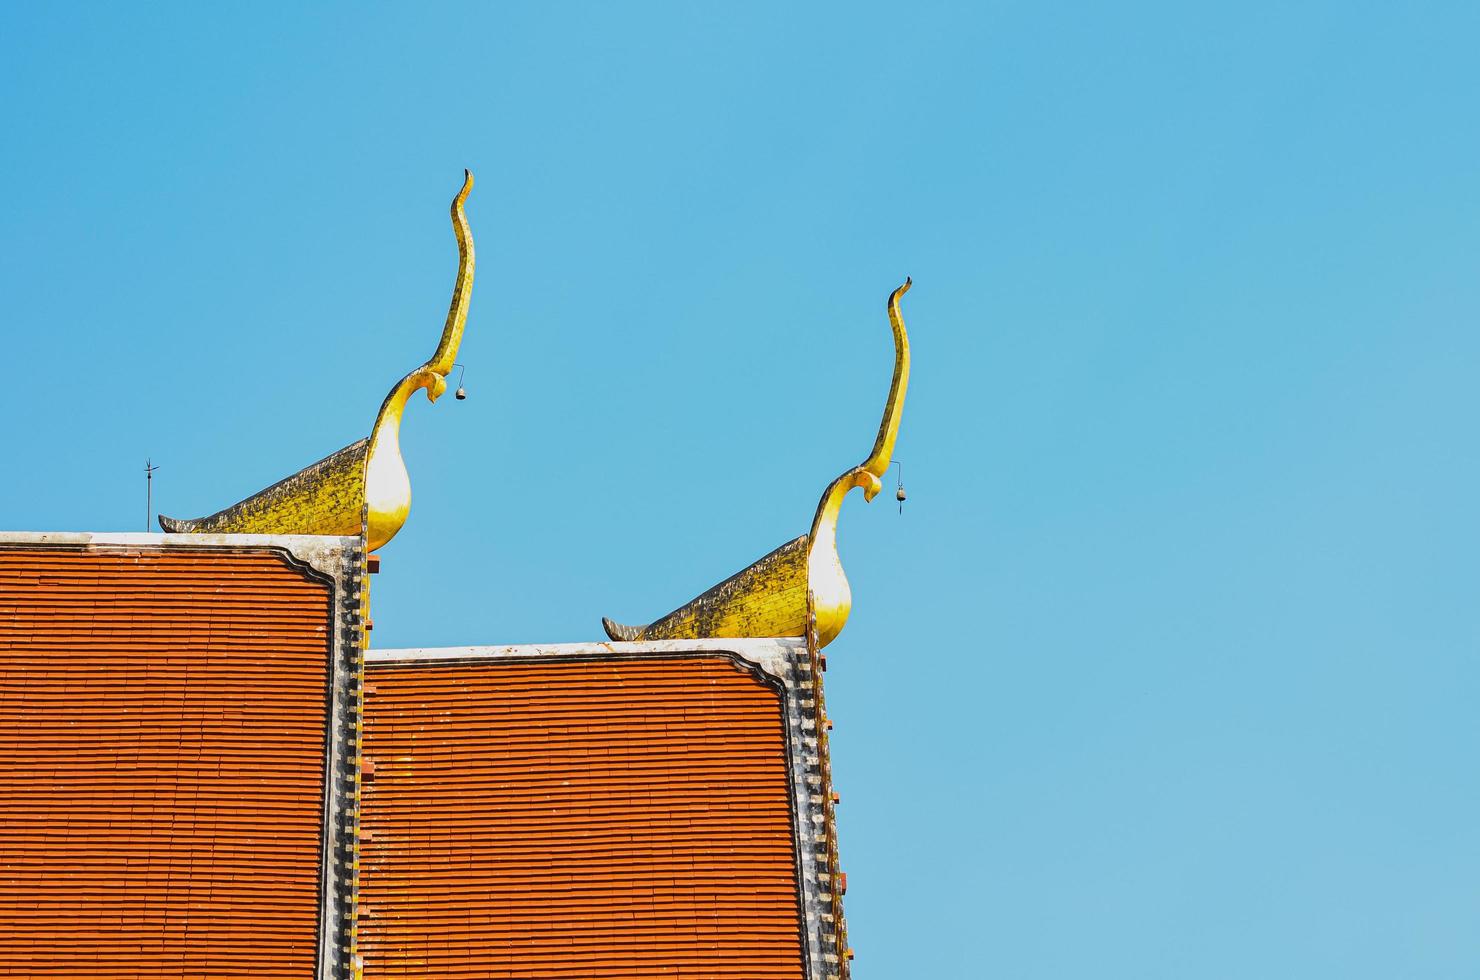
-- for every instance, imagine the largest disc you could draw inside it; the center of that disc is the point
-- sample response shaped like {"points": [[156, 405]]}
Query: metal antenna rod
{"points": [[149, 469]]}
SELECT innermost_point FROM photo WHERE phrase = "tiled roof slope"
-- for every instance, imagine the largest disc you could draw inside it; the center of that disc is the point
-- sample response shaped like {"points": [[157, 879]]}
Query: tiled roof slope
{"points": [[593, 818], [162, 788]]}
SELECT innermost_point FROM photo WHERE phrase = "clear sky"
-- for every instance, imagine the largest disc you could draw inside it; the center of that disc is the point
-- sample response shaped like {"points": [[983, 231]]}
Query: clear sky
{"points": [[1169, 668]]}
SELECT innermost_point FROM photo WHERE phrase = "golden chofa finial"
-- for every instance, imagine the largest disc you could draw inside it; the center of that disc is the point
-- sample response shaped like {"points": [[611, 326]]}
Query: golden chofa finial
{"points": [[364, 488], [769, 598]]}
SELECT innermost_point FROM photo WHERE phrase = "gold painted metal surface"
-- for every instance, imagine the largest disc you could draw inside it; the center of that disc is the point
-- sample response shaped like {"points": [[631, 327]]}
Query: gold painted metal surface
{"points": [[769, 597], [766, 598], [364, 488]]}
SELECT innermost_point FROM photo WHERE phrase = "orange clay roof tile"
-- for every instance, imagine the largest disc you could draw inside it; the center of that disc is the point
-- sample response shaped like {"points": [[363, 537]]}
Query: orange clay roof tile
{"points": [[162, 787], [577, 819]]}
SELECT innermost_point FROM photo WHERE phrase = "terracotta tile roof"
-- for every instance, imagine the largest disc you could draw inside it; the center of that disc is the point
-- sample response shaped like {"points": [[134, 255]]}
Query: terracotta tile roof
{"points": [[163, 714], [613, 818], [582, 811]]}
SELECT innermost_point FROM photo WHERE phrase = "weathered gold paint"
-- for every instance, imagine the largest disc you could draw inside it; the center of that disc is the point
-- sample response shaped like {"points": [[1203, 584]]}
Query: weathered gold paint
{"points": [[769, 597], [763, 599], [363, 488]]}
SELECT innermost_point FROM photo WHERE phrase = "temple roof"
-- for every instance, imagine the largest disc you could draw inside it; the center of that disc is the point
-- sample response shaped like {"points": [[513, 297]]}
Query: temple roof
{"points": [[169, 796], [641, 809], [212, 768]]}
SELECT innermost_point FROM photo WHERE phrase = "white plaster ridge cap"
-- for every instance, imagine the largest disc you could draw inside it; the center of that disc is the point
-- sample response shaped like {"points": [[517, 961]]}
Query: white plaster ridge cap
{"points": [[322, 551], [768, 653]]}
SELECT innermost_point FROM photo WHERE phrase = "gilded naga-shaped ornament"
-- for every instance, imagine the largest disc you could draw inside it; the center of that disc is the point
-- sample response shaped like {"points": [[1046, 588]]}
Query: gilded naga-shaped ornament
{"points": [[364, 488], [769, 598]]}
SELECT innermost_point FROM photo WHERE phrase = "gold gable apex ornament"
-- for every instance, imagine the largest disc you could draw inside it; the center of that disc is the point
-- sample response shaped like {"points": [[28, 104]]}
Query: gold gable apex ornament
{"points": [[769, 598], [363, 488]]}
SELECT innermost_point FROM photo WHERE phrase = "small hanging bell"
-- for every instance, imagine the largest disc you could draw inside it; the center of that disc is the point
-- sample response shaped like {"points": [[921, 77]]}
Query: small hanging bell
{"points": [[899, 494], [460, 394]]}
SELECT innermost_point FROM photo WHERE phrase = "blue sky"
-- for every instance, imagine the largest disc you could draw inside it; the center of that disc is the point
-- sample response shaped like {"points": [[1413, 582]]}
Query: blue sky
{"points": [[1168, 669]]}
